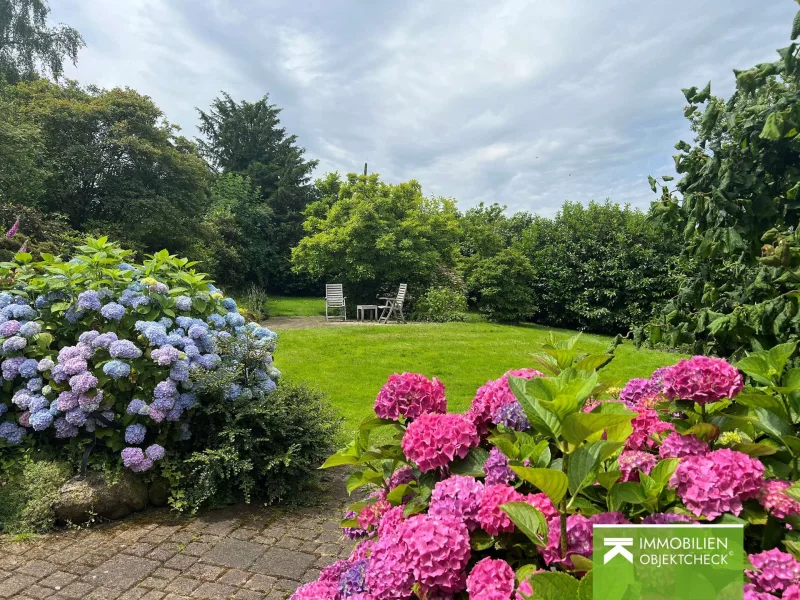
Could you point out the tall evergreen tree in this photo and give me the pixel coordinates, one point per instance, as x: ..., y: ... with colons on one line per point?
x: 28, y: 46
x: 246, y: 138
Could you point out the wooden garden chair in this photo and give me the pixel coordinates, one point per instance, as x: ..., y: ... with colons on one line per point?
x: 394, y: 306
x: 334, y: 298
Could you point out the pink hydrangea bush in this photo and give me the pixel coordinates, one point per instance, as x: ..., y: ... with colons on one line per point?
x: 454, y: 536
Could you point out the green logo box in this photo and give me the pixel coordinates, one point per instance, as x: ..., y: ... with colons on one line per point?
x: 668, y: 562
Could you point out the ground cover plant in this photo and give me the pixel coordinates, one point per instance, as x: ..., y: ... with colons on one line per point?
x: 350, y: 363
x: 499, y: 502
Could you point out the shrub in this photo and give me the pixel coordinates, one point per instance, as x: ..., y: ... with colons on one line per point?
x: 441, y: 305
x: 262, y: 449
x: 501, y: 286
x: 256, y: 302
x: 28, y: 488
x: 600, y: 267
x: 512, y: 505
x: 105, y: 355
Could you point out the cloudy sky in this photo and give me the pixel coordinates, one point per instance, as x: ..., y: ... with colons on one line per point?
x: 522, y: 102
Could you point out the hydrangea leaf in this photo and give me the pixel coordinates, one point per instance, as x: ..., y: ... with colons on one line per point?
x: 586, y: 586
x: 528, y: 520
x: 584, y: 462
x: 577, y: 427
x: 553, y: 586
x: 550, y: 481
x: 472, y: 464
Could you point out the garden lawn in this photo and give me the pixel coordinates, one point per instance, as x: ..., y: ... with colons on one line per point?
x: 290, y: 306
x: 352, y: 363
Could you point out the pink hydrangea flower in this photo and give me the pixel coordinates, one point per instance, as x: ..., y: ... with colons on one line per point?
x: 717, y: 482
x: 433, y: 441
x: 524, y: 588
x: 410, y: 395
x: 792, y: 592
x: 332, y: 573
x: 371, y: 514
x: 494, y: 394
x: 772, y: 498
x: 543, y: 504
x: 702, y: 379
x: 390, y: 521
x: 633, y: 461
x: 666, y: 519
x: 774, y: 571
x: 609, y: 518
x: 457, y: 496
x: 751, y: 593
x: 676, y: 445
x: 316, y: 590
x: 637, y: 391
x: 492, y: 519
x: 389, y: 573
x: 362, y: 550
x: 491, y: 579
x: 647, y: 427
x: 438, y: 550
x: 579, y: 540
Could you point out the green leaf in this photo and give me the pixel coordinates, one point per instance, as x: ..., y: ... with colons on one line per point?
x: 795, y: 27
x: 582, y: 564
x: 755, y: 449
x: 704, y: 431
x: 361, y: 478
x: 528, y: 520
x: 627, y: 491
x: 791, y: 380
x: 553, y: 483
x: 586, y: 586
x: 347, y: 456
x: 480, y: 540
x: 584, y: 462
x: 757, y: 366
x: 773, y: 127
x: 472, y: 464
x: 763, y: 401
x: 579, y: 426
x: 793, y: 443
x: 793, y: 492
x: 779, y: 355
x: 653, y: 183
x: 663, y: 471
x: 608, y: 478
x: 396, y: 496
x: 792, y: 548
x: 593, y: 362
x: 553, y: 586
x: 541, y: 419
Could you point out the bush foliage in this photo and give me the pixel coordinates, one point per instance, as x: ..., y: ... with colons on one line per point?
x: 441, y: 305
x: 501, y: 286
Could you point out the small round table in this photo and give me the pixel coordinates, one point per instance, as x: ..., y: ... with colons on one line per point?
x: 362, y: 308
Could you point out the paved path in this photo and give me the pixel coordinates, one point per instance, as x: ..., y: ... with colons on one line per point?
x: 242, y: 552
x: 283, y: 323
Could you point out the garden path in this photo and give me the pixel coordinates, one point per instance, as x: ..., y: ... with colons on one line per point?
x: 279, y: 324
x: 240, y: 552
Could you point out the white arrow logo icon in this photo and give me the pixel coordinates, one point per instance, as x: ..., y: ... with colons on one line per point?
x: 620, y: 546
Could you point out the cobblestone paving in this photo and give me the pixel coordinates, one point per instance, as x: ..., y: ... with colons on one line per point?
x: 241, y: 552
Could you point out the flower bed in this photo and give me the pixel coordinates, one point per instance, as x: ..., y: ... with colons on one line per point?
x: 500, y: 503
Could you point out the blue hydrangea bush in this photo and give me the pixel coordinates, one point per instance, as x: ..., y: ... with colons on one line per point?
x: 97, y: 352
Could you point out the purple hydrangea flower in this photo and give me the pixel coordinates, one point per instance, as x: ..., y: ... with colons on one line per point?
x: 179, y: 371
x: 11, y: 433
x: 14, y: 344
x: 87, y: 337
x: 113, y: 311
x: 83, y: 382
x: 76, y: 417
x: 234, y: 319
x: 30, y: 329
x: 65, y: 429
x: 67, y: 400
x: 10, y: 367
x: 166, y: 355
x: 45, y: 365
x: 352, y: 580
x: 124, y: 349
x: 74, y: 366
x: 496, y: 468
x: 511, y: 415
x: 104, y: 340
x: 135, y: 433
x: 216, y: 320
x: 117, y: 369
x: 41, y: 420
x: 183, y: 303
x: 155, y: 452
x: 29, y: 368
x: 135, y: 460
x: 89, y: 300
x: 9, y: 328
x: 136, y: 407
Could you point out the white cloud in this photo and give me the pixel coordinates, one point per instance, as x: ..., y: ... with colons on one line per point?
x: 523, y: 103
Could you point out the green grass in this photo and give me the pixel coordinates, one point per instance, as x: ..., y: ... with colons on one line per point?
x: 290, y: 306
x: 352, y: 363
